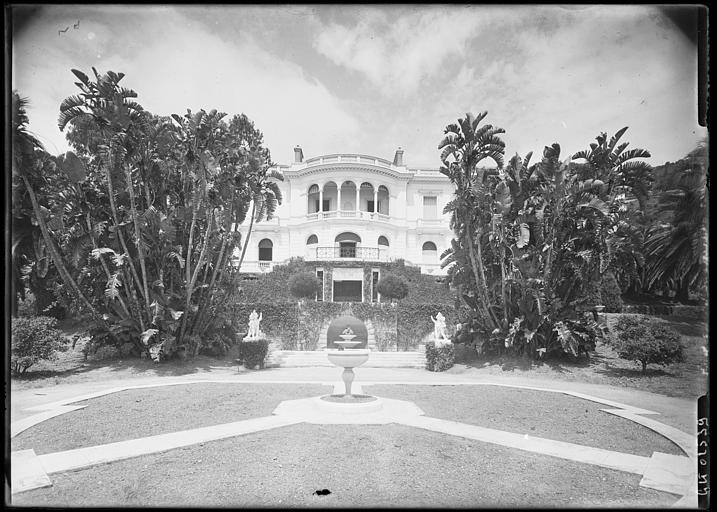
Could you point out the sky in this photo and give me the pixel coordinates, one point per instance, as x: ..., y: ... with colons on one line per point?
x: 368, y: 79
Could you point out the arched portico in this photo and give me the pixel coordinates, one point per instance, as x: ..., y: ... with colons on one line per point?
x: 349, y: 196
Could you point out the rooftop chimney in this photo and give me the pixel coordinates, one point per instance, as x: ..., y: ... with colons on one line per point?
x: 298, y: 155
x: 398, y: 159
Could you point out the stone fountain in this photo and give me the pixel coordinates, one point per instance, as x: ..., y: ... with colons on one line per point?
x: 347, y: 357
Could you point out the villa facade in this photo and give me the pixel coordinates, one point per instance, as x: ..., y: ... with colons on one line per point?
x: 355, y: 210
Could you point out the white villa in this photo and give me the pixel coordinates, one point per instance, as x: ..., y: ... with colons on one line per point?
x: 354, y: 208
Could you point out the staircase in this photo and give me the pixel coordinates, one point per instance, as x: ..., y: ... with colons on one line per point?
x: 370, y: 336
x: 303, y: 358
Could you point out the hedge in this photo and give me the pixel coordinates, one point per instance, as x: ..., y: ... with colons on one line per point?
x: 253, y: 353
x: 296, y: 325
x: 271, y: 287
x: 441, y: 358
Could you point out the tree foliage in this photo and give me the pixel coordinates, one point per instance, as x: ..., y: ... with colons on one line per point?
x: 145, y: 212
x: 676, y: 247
x: 392, y: 287
x: 34, y: 339
x: 647, y: 341
x: 531, y: 240
x: 304, y: 285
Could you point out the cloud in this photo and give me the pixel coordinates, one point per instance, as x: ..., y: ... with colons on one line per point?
x: 396, y: 52
x: 368, y: 79
x: 569, y: 76
x: 175, y: 64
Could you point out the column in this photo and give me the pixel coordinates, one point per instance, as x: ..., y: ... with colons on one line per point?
x: 375, y: 199
x: 358, y: 214
x: 321, y: 200
x: 338, y: 206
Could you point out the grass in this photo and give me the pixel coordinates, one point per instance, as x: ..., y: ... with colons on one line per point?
x: 143, y: 412
x: 133, y: 413
x: 361, y: 465
x: 536, y: 413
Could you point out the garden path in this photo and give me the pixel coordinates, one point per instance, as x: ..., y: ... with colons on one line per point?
x: 661, y: 471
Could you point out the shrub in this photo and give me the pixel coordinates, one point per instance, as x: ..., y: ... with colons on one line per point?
x: 27, y: 307
x: 393, y: 287
x: 610, y: 293
x: 647, y: 341
x: 107, y: 352
x: 439, y: 359
x: 253, y: 353
x: 34, y: 339
x: 216, y: 345
x: 304, y: 285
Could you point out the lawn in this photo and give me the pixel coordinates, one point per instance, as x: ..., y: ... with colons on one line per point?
x: 536, y: 413
x: 361, y: 466
x: 143, y: 412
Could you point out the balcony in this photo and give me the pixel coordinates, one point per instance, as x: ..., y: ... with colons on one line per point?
x: 347, y: 253
x: 349, y: 214
x: 254, y: 267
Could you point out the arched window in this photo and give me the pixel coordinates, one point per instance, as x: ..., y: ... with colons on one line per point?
x: 366, y: 197
x: 382, y: 240
x: 313, y: 198
x: 347, y: 236
x: 430, y: 253
x: 382, y: 206
x: 313, y: 239
x: 266, y: 248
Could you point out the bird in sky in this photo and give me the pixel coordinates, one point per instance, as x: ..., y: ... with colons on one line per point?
x: 77, y: 25
x: 62, y: 31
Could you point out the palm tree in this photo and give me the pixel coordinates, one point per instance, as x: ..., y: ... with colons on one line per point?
x: 676, y: 252
x: 464, y: 146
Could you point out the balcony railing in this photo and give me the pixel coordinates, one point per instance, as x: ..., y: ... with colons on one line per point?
x: 348, y: 214
x: 254, y: 266
x: 355, y: 253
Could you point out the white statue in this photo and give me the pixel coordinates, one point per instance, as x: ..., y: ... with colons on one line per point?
x: 439, y: 329
x: 254, y: 331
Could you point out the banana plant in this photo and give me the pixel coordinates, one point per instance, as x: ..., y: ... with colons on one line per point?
x: 465, y: 145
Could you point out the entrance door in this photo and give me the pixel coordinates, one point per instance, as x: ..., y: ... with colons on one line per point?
x: 348, y: 291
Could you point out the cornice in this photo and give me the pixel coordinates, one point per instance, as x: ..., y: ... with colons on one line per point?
x: 327, y: 169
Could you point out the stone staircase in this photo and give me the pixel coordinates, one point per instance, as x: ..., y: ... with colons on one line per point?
x: 304, y: 358
x: 370, y: 336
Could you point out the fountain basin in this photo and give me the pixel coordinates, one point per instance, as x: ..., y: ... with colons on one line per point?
x: 348, y: 358
x: 346, y: 344
x: 350, y: 408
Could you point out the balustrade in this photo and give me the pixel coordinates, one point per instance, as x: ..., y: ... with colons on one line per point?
x: 359, y: 253
x: 356, y: 214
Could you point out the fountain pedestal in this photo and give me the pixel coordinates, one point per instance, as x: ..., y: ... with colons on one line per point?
x: 348, y: 359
